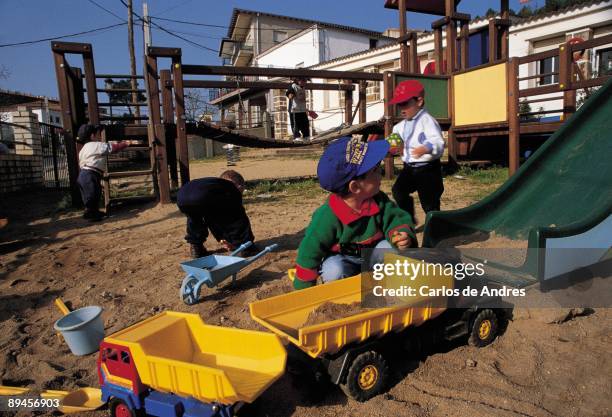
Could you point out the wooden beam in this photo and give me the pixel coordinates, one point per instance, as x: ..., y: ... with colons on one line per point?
x: 280, y: 72
x: 348, y: 104
x: 69, y: 126
x: 451, y: 37
x: 168, y: 117
x: 157, y: 134
x: 273, y: 85
x: 388, y: 86
x: 404, y: 60
x: 181, y: 131
x: 70, y: 47
x: 90, y: 81
x: 438, y: 56
x: 514, y: 129
x: 162, y: 52
x: 363, y: 85
x: 465, y: 45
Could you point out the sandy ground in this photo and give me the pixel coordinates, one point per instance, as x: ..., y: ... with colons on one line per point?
x: 129, y: 265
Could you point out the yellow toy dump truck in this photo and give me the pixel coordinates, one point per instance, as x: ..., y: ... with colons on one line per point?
x: 174, y: 365
x: 350, y: 350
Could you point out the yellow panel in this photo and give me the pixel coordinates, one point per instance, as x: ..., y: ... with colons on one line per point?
x: 480, y: 96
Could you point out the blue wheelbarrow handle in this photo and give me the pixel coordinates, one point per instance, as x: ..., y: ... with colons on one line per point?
x: 241, y: 248
x: 262, y: 253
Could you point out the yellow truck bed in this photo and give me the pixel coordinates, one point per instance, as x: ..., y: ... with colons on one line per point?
x: 178, y: 353
x: 286, y: 314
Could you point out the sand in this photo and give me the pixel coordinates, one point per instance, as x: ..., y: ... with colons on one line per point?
x: 129, y: 265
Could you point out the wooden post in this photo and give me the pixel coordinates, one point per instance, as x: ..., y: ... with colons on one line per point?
x: 181, y: 130
x: 514, y: 128
x: 388, y: 86
x: 348, y: 104
x: 451, y: 37
x: 363, y: 85
x: 438, y: 50
x: 451, y: 140
x: 493, y: 47
x: 414, y: 56
x: 565, y: 80
x: 505, y: 32
x: 168, y: 115
x: 404, y: 52
x: 157, y: 134
x: 465, y: 45
x: 69, y: 126
x: 90, y: 81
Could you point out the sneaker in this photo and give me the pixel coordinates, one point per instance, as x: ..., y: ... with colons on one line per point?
x: 197, y: 251
x: 298, y: 139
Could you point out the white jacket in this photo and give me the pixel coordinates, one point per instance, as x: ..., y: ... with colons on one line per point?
x: 423, y: 129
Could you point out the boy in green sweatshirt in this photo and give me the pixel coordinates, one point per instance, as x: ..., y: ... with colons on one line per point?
x: 357, y: 215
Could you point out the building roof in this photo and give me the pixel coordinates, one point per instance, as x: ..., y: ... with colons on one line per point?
x: 309, y: 22
x: 11, y: 98
x: 522, y: 21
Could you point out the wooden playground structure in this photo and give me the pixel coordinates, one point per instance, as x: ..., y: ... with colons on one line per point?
x: 471, y: 104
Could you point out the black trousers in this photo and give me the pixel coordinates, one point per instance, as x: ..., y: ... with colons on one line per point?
x: 426, y: 180
x: 299, y: 123
x: 235, y: 228
x: 91, y: 190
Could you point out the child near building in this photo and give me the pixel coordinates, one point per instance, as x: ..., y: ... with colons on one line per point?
x: 423, y: 147
x: 357, y: 215
x: 92, y: 164
x: 215, y: 204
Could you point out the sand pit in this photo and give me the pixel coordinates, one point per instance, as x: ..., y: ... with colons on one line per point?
x: 129, y: 265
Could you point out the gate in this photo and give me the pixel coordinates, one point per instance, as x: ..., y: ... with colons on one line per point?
x: 55, y: 161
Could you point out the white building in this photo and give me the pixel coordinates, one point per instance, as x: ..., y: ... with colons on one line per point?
x: 275, y: 41
x: 527, y: 36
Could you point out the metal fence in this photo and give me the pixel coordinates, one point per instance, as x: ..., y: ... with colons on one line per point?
x: 55, y: 162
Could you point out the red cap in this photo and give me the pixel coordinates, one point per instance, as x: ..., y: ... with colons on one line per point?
x: 406, y: 90
x: 575, y: 40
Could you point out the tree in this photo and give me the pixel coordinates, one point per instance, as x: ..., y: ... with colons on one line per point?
x: 490, y: 13
x: 525, y: 12
x: 196, y: 105
x: 122, y: 98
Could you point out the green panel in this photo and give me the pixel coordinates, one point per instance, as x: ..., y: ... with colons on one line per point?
x: 436, y: 94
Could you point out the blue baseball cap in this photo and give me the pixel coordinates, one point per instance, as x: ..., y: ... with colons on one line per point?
x: 347, y: 158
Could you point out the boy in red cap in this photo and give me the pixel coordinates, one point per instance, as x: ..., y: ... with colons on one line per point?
x: 423, y: 147
x: 357, y: 215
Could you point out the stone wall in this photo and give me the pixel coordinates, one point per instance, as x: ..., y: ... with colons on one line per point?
x: 23, y: 167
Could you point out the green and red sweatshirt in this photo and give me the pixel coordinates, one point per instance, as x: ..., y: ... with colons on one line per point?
x: 335, y: 225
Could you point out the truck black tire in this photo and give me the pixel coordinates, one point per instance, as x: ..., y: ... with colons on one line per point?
x: 485, y: 326
x: 367, y: 376
x: 118, y: 408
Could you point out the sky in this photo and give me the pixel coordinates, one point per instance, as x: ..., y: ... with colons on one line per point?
x: 31, y: 67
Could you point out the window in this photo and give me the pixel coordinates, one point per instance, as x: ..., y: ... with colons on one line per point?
x: 604, y: 59
x: 278, y: 36
x: 373, y: 43
x: 547, y: 66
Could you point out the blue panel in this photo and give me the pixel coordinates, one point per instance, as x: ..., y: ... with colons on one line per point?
x: 163, y: 405
x: 478, y: 48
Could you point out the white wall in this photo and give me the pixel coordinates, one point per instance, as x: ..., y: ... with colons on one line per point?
x: 303, y: 48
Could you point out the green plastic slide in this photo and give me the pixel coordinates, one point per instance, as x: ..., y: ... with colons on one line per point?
x: 564, y: 189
